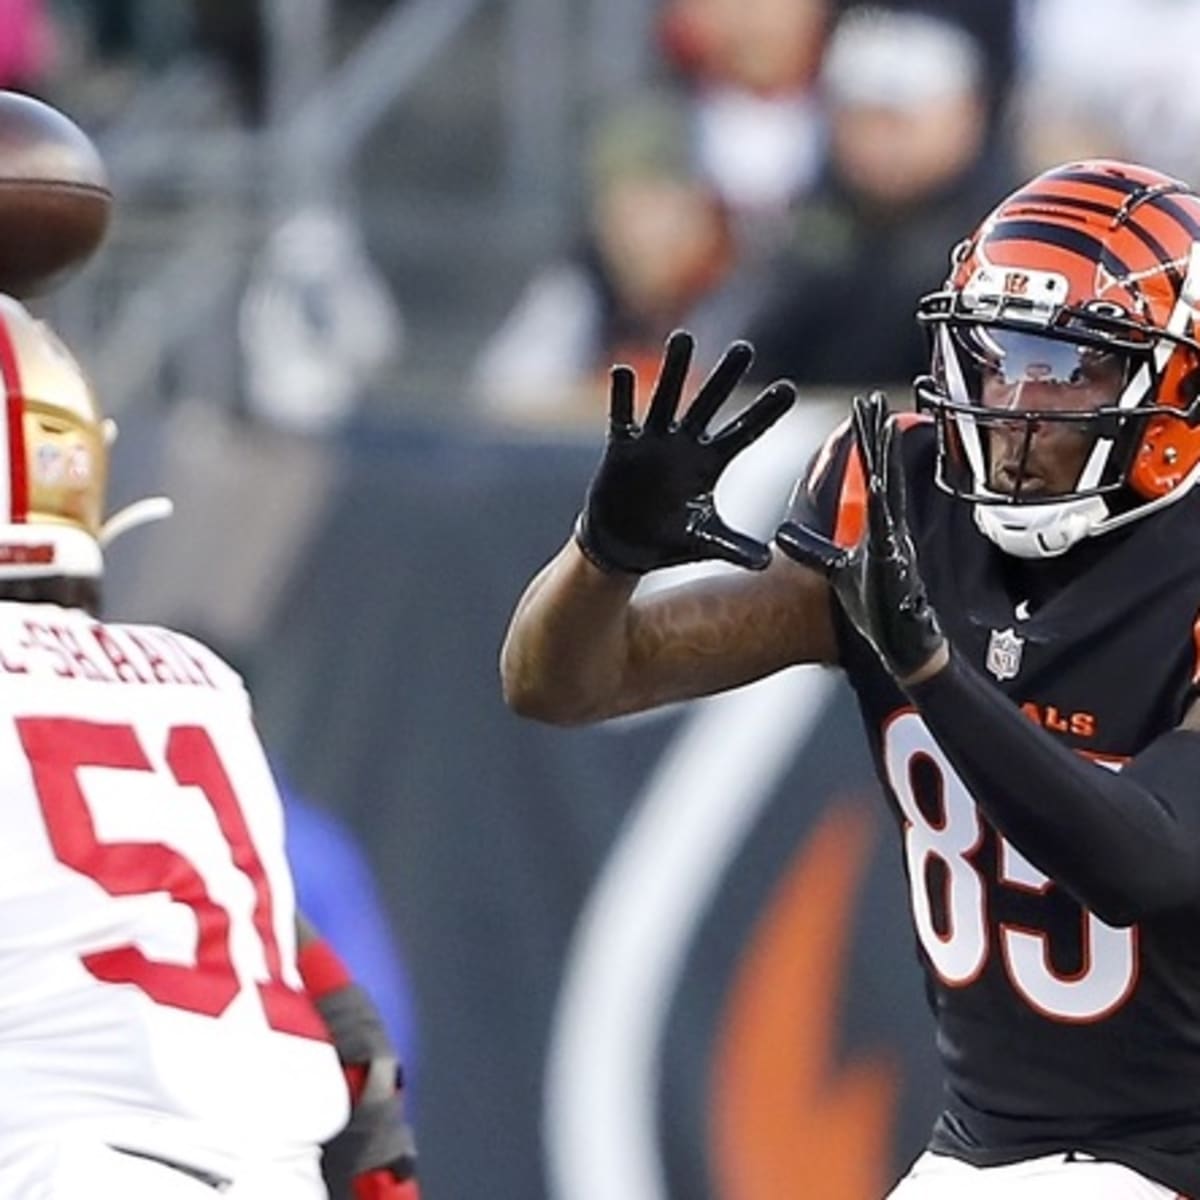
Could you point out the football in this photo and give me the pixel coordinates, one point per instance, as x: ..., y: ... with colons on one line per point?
x: 55, y: 200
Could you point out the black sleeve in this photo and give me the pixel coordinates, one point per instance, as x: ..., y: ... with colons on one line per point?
x: 1124, y: 844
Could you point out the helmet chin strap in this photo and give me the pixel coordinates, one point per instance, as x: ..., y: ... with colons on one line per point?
x: 140, y: 512
x: 1048, y: 530
x: 1040, y: 530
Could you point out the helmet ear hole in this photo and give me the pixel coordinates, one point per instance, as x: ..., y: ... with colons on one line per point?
x: 1179, y: 386
x: 1167, y: 454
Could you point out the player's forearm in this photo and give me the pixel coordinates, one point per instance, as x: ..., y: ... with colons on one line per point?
x: 564, y: 655
x: 1124, y: 844
x: 374, y: 1155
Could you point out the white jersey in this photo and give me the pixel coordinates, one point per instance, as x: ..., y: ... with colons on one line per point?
x: 148, y: 986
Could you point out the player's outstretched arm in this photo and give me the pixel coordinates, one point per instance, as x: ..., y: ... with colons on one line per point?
x: 374, y: 1156
x: 581, y: 647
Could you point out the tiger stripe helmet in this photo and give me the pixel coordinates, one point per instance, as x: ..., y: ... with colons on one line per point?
x: 54, y: 446
x: 1103, y: 256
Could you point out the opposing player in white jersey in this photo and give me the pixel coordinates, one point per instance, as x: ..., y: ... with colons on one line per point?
x: 159, y: 1029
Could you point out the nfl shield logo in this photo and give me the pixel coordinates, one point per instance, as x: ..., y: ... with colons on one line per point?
x: 1004, y: 653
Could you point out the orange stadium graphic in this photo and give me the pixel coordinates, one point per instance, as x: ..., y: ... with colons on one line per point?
x: 787, y: 1117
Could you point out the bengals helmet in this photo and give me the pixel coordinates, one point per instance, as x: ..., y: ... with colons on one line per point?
x: 54, y: 446
x: 1087, y: 277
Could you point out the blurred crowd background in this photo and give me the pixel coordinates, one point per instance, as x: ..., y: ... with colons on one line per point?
x: 369, y: 264
x: 455, y: 210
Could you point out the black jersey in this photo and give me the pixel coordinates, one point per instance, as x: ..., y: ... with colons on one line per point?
x: 1055, y: 1030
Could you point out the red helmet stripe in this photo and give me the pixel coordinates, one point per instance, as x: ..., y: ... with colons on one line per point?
x: 1095, y: 208
x: 1064, y: 237
x: 1133, y: 195
x: 10, y: 375
x: 1156, y: 247
x: 1060, y: 200
x: 1171, y: 206
x: 1125, y: 180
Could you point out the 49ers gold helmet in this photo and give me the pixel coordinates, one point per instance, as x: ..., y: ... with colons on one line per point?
x: 54, y: 444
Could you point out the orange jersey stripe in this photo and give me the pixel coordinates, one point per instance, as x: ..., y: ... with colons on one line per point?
x: 852, y: 500
x: 852, y: 503
x: 1196, y: 646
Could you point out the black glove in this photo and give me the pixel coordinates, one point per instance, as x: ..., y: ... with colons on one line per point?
x: 877, y: 581
x: 650, y: 503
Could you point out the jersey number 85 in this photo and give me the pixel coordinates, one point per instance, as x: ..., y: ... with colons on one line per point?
x: 940, y: 854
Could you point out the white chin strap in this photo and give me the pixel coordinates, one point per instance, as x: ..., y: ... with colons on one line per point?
x: 1048, y: 530
x: 41, y: 549
x: 140, y: 512
x: 1041, y: 530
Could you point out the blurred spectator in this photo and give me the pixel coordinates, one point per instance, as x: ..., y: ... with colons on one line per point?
x: 659, y: 252
x: 118, y: 43
x: 234, y: 35
x: 28, y: 44
x: 750, y: 67
x: 316, y: 323
x: 148, y: 33
x: 993, y: 24
x: 910, y: 164
x: 1096, y: 81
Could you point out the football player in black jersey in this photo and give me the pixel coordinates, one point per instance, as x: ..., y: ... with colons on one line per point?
x: 1010, y: 578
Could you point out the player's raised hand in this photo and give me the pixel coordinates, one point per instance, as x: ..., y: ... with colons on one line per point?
x: 877, y: 581
x: 650, y: 503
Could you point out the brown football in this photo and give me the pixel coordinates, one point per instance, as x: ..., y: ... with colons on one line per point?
x: 55, y: 200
